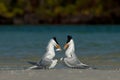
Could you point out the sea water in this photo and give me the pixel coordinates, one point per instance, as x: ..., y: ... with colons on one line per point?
x: 97, y: 45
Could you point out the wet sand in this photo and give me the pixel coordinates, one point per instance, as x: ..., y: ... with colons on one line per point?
x: 60, y: 74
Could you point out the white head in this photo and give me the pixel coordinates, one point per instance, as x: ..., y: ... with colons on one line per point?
x: 69, y: 46
x: 53, y: 43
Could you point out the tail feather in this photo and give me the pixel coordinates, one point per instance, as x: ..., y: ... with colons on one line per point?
x: 81, y: 67
x: 33, y: 67
x: 33, y: 63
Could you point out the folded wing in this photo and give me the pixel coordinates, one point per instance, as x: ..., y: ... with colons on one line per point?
x: 74, y: 62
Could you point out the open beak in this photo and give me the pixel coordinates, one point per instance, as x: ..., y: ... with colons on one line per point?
x: 58, y: 48
x: 66, y: 46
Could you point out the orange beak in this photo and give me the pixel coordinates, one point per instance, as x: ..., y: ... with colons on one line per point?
x: 58, y: 47
x: 66, y: 46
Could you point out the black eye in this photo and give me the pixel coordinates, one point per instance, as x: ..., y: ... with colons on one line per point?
x: 69, y: 38
x: 54, y: 38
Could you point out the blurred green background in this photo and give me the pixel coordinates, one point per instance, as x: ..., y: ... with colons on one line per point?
x: 59, y: 11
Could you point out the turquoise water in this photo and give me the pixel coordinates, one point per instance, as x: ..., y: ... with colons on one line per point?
x: 97, y: 46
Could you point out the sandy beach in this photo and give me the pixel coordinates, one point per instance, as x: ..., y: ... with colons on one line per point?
x: 60, y: 74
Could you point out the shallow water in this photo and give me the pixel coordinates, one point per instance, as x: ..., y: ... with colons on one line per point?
x: 97, y: 46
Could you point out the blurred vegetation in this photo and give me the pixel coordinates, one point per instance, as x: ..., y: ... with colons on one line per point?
x: 59, y: 11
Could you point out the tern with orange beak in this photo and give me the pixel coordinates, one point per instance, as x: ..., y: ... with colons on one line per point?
x: 47, y: 61
x: 71, y: 59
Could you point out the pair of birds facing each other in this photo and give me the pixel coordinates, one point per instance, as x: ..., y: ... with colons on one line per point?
x: 71, y: 60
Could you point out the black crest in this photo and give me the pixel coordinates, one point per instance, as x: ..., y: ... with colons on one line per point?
x: 55, y: 40
x: 69, y: 38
